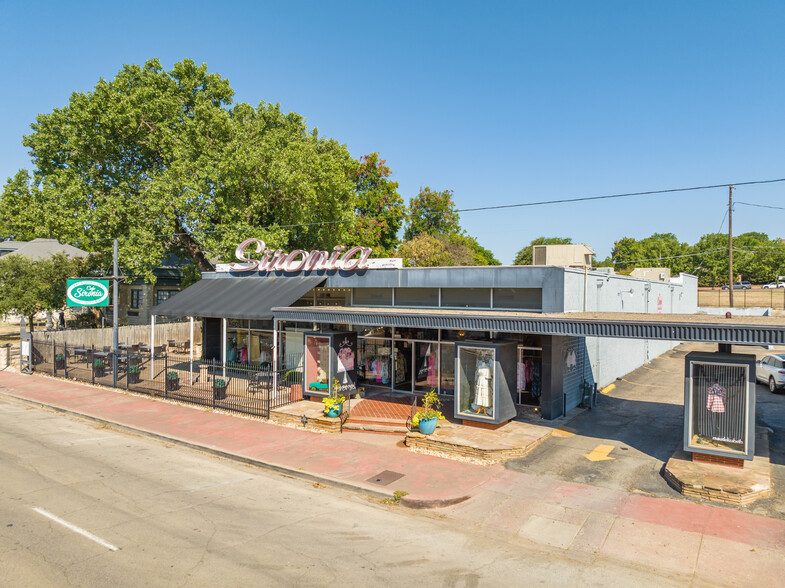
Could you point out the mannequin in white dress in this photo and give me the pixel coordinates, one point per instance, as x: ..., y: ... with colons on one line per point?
x: 483, y: 385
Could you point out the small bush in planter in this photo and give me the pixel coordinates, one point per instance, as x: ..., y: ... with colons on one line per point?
x: 59, y: 360
x: 134, y: 373
x: 219, y: 388
x: 172, y: 380
x: 98, y: 367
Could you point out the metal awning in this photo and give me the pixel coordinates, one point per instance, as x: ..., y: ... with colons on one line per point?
x: 242, y: 298
x: 668, y: 327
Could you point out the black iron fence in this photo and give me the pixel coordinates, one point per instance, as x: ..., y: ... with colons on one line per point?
x: 168, y: 372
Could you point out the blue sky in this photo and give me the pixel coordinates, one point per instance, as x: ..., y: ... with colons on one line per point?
x: 502, y: 102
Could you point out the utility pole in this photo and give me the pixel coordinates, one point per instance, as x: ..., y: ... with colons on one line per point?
x: 115, y: 279
x: 730, y: 245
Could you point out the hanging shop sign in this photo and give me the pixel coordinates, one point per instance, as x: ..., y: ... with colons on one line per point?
x: 86, y: 292
x: 719, y: 404
x: 299, y: 260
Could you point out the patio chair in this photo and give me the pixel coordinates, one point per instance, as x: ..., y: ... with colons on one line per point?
x: 259, y: 381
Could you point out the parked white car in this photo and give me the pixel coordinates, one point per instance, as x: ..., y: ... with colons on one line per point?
x: 774, y: 285
x: 771, y: 370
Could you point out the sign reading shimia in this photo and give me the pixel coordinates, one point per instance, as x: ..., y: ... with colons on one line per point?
x: 86, y: 292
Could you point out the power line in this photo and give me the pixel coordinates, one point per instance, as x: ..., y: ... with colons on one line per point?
x: 477, y: 209
x: 761, y: 205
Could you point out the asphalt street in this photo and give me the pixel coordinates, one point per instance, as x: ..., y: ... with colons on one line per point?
x: 639, y: 425
x: 85, y: 505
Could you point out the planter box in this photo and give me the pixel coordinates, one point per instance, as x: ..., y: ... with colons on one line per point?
x: 219, y: 393
x: 172, y: 385
x: 99, y: 372
x: 134, y: 378
x: 59, y: 364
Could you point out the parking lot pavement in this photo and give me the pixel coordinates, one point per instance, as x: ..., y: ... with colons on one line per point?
x: 624, y: 442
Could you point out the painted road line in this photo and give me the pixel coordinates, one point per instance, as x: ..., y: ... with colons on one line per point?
x: 608, y: 389
x: 75, y: 529
x: 563, y: 432
x: 599, y: 453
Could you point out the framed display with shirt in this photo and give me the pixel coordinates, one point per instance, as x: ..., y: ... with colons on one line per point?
x: 485, y: 381
x: 719, y: 404
x: 330, y: 363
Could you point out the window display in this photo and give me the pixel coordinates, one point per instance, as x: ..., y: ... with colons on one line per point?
x: 317, y: 364
x: 718, y: 411
x: 529, y: 376
x: 447, y: 369
x: 374, y: 362
x: 426, y: 364
x: 719, y: 404
x: 476, y: 381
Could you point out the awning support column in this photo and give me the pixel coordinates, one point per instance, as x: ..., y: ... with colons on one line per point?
x: 191, y: 345
x: 275, y: 358
x: 223, y: 346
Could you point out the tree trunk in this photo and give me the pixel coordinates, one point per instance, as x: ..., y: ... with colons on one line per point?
x: 193, y: 248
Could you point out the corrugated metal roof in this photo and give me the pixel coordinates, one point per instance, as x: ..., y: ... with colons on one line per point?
x: 249, y: 298
x: 674, y: 327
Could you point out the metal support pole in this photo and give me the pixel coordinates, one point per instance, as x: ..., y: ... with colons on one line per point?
x: 223, y: 346
x: 115, y: 305
x: 275, y: 359
x: 191, y: 340
x: 152, y: 347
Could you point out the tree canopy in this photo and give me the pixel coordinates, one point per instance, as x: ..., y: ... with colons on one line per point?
x: 167, y: 163
x: 433, y: 213
x: 28, y: 287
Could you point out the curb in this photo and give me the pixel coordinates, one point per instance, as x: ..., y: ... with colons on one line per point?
x: 410, y: 502
x: 608, y: 389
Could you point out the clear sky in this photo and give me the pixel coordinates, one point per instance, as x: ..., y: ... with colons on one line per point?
x: 502, y: 102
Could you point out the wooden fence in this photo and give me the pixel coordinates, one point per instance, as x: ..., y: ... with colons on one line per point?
x: 127, y: 334
x: 757, y: 297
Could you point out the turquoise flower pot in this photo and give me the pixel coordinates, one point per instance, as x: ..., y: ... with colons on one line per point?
x: 334, y: 412
x: 428, y: 426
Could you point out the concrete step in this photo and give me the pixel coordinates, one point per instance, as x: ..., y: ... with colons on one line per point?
x: 381, y: 429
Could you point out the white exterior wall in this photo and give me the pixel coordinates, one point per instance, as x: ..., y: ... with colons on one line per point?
x: 613, y: 358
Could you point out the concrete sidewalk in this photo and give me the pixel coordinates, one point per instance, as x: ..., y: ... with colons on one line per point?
x: 696, y: 543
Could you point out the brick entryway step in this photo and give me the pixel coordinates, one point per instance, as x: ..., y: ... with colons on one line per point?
x: 375, y: 425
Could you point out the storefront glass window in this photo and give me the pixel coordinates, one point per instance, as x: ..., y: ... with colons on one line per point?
x: 372, y: 297
x: 261, y: 348
x: 402, y: 365
x: 447, y: 369
x: 466, y: 297
x: 421, y: 334
x: 332, y: 296
x: 719, y: 407
x: 523, y: 298
x: 529, y: 376
x: 317, y: 364
x: 448, y: 335
x: 476, y: 381
x: 426, y: 367
x: 373, y: 332
x: 374, y: 362
x: 416, y: 297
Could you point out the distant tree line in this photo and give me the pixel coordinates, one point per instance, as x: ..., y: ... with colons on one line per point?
x: 756, y: 257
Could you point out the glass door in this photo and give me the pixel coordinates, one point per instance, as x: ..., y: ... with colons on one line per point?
x: 426, y: 366
x: 402, y: 366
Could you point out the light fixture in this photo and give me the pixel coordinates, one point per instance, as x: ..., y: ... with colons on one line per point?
x: 304, y: 420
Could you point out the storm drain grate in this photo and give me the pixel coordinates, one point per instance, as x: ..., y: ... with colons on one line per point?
x: 384, y: 478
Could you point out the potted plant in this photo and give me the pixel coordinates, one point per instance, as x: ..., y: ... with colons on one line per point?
x: 98, y: 368
x: 333, y: 404
x: 219, y: 389
x: 134, y: 374
x: 427, y: 418
x: 59, y: 361
x: 172, y: 381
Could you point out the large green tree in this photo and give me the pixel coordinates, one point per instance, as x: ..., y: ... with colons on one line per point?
x: 167, y: 163
x: 28, y: 287
x: 379, y: 208
x: 432, y: 212
x: 524, y: 256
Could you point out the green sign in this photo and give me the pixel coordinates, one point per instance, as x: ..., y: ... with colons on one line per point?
x: 87, y: 292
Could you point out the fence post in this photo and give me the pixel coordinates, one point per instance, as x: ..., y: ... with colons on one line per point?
x: 127, y: 366
x: 211, y: 389
x: 92, y: 364
x: 65, y: 359
x: 54, y: 357
x: 166, y: 374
